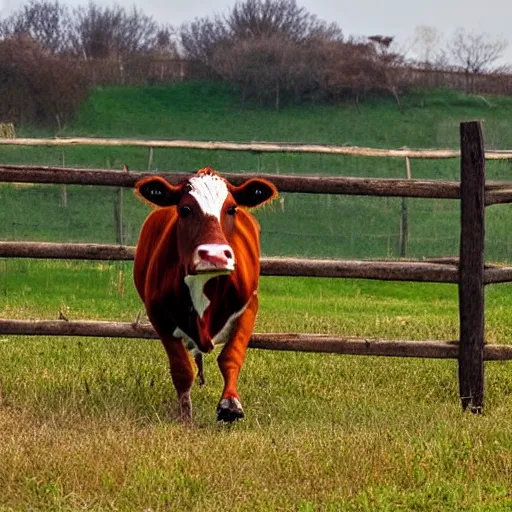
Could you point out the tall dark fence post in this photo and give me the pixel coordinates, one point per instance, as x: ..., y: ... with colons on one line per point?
x: 471, y: 284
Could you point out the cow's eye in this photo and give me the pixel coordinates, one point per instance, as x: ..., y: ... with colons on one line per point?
x: 185, y: 211
x: 231, y: 210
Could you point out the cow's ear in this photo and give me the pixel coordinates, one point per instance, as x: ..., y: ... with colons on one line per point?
x: 157, y: 191
x: 254, y: 192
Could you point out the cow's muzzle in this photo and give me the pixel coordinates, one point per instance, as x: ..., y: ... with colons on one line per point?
x: 213, y: 258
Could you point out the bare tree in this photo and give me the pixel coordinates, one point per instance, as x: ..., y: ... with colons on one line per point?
x: 43, y: 21
x: 272, y: 68
x: 92, y: 31
x: 475, y: 53
x: 101, y: 32
x: 254, y: 19
x: 389, y: 61
x: 165, y: 43
x: 88, y: 31
x: 284, y: 18
x: 270, y: 48
x: 351, y: 70
x: 37, y: 86
x: 201, y: 37
x: 138, y: 33
x: 258, y: 66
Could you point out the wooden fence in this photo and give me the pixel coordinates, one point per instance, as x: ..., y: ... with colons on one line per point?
x: 468, y: 271
x: 156, y: 69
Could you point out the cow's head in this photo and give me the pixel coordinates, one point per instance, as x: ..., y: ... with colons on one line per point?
x: 207, y: 213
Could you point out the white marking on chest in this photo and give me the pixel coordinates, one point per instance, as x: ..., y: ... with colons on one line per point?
x: 219, y: 339
x: 190, y: 344
x: 210, y: 192
x: 195, y: 285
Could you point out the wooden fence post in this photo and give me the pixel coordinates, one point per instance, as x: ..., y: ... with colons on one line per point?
x: 118, y: 216
x: 150, y: 159
x: 404, y: 217
x: 64, y: 188
x: 471, y: 278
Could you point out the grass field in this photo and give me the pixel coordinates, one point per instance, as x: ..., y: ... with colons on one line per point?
x: 89, y: 424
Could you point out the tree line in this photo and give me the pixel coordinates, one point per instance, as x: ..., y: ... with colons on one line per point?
x: 274, y: 51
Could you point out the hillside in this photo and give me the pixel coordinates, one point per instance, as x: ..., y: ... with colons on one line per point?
x: 210, y: 111
x: 213, y: 111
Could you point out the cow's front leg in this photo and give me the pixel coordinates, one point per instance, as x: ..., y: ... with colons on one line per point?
x: 182, y: 374
x: 230, y: 362
x: 200, y: 368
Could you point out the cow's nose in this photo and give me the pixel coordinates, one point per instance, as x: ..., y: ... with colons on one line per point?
x: 214, y: 257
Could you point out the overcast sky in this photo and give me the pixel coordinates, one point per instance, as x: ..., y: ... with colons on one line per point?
x: 364, y: 17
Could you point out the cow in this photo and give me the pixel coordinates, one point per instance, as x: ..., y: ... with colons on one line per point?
x: 197, y: 270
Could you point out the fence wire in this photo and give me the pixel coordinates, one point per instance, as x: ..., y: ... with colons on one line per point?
x: 305, y: 225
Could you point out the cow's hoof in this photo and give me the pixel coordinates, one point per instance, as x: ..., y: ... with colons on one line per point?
x: 229, y: 409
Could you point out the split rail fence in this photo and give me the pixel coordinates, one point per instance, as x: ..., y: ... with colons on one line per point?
x: 468, y: 271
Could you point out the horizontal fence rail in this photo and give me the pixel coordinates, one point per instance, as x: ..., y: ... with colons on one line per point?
x: 495, y: 192
x: 436, y: 270
x: 257, y: 147
x: 72, y: 251
x: 319, y: 343
x: 299, y: 184
x: 501, y: 195
x: 298, y: 267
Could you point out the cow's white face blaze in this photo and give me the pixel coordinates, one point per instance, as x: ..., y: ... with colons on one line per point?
x: 209, y: 259
x: 210, y: 192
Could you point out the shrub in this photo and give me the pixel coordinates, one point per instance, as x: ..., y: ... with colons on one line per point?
x: 37, y: 86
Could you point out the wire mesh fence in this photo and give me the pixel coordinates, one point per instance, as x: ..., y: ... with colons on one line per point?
x: 307, y: 225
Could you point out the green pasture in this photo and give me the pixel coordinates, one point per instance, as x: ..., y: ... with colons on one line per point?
x: 90, y: 424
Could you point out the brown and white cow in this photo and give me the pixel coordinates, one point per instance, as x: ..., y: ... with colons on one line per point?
x: 196, y: 270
